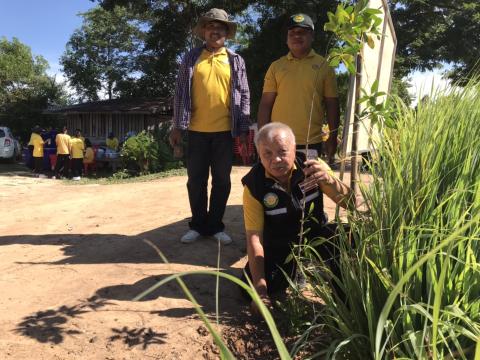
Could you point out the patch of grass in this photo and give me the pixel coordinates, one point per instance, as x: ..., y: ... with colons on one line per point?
x: 123, y: 177
x: 411, y: 278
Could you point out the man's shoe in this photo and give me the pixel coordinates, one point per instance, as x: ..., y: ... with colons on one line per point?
x: 190, y: 236
x: 223, y: 237
x: 76, y: 178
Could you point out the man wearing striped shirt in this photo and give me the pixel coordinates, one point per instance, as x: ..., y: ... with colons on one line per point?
x: 212, y: 103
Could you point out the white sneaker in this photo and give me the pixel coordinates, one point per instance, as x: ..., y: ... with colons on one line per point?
x: 190, y: 236
x: 223, y: 237
x: 76, y: 178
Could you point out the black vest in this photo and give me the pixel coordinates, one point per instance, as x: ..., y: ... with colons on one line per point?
x: 283, y: 211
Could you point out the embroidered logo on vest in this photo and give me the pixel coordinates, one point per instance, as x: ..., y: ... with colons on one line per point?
x: 270, y: 200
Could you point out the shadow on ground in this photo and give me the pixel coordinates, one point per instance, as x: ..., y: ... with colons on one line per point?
x: 54, y: 325
x: 116, y: 248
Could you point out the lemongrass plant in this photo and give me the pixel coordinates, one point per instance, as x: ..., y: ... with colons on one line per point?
x: 411, y: 262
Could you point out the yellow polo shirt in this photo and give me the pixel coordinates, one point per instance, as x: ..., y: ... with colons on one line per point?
x: 295, y: 81
x: 77, y: 146
x: 37, y: 142
x: 63, y: 144
x: 253, y: 213
x: 211, y: 93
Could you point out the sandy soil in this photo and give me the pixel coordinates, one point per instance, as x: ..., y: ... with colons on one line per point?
x: 73, y: 257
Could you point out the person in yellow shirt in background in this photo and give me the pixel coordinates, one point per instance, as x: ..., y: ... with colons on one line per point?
x: 37, y: 142
x: 77, y: 147
x: 112, y: 142
x: 89, y: 158
x: 293, y: 82
x: 63, y: 154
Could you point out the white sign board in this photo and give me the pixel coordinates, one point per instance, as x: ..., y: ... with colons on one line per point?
x: 377, y: 64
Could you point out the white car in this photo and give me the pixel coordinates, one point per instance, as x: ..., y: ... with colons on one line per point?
x: 9, y: 146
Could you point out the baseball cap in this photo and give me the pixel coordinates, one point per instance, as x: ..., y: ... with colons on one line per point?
x: 300, y: 20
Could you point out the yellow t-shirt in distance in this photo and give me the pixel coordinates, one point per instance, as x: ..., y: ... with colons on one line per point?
x: 295, y: 81
x: 211, y: 93
x: 63, y: 144
x: 77, y: 146
x: 37, y: 142
x: 89, y: 156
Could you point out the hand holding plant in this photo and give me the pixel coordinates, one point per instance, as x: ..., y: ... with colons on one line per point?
x: 254, y: 308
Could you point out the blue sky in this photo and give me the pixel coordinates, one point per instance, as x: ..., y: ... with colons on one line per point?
x: 44, y: 25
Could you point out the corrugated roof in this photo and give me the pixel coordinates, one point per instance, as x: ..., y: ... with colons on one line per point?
x: 159, y: 106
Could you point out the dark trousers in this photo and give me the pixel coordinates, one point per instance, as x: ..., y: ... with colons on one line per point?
x: 38, y: 164
x: 208, y: 152
x: 320, y: 147
x: 274, y: 276
x: 77, y: 166
x: 63, y: 164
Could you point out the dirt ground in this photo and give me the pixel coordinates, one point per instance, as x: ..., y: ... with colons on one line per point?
x: 73, y: 257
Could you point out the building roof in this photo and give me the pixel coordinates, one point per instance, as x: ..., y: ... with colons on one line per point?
x: 159, y: 106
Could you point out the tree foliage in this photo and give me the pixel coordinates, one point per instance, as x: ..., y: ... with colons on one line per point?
x: 432, y: 32
x: 429, y: 33
x: 25, y: 88
x: 101, y: 55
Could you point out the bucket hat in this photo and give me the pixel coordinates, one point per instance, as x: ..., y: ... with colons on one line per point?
x: 215, y: 15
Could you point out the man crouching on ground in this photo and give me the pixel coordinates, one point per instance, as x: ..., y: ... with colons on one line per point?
x: 272, y: 203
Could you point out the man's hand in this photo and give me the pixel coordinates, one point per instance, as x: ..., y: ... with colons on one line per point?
x: 331, y: 145
x: 254, y: 308
x: 175, y: 137
x: 317, y: 172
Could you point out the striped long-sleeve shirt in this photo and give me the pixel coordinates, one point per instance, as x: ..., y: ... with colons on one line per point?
x: 239, y: 92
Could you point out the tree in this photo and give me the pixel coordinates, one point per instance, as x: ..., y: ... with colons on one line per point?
x: 432, y: 32
x: 168, y: 36
x: 101, y: 55
x: 25, y: 88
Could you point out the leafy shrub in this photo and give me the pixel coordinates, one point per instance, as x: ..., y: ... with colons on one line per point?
x: 148, y: 152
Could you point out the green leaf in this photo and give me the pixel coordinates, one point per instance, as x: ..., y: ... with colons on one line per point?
x: 370, y: 42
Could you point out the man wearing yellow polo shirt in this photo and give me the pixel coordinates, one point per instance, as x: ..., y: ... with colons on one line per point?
x: 62, y: 141
x: 77, y: 146
x: 300, y: 90
x: 274, y: 191
x: 37, y: 142
x: 212, y: 103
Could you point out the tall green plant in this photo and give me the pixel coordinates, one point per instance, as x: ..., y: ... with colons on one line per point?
x: 412, y: 275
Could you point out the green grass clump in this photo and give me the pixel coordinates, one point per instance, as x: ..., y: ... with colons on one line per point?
x: 412, y: 274
x: 123, y: 177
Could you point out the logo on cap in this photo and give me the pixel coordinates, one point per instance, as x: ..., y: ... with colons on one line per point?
x: 270, y: 200
x: 298, y: 18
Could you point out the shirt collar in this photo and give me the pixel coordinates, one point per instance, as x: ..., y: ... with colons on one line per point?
x: 311, y: 54
x: 223, y: 51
